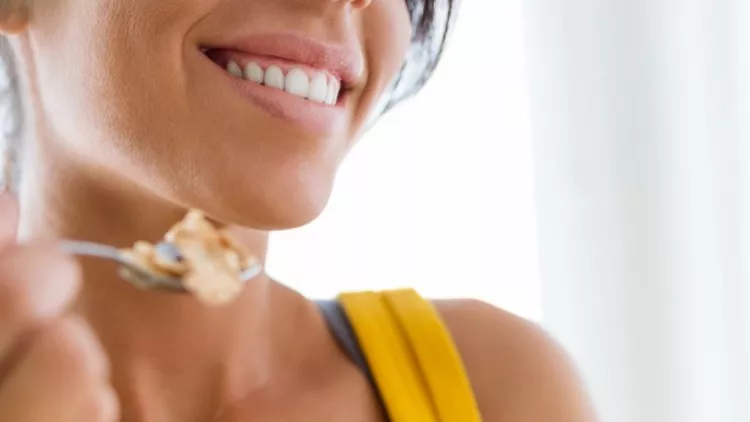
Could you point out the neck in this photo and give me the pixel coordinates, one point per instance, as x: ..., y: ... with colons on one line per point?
x: 159, y: 341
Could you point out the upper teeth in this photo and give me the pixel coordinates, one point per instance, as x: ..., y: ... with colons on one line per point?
x: 320, y: 88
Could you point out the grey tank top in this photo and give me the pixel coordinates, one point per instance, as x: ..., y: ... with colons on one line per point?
x: 342, y: 331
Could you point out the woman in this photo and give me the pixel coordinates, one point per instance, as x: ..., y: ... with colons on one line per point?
x: 136, y: 110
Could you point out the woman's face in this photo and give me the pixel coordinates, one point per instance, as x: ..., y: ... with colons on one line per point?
x: 165, y: 94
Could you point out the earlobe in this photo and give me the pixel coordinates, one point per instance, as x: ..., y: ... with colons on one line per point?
x: 14, y: 16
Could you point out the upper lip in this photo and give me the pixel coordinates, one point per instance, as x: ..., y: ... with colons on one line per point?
x: 343, y: 61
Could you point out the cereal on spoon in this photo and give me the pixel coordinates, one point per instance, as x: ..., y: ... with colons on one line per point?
x: 210, y: 262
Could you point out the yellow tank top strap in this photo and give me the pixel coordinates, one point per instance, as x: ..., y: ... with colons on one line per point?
x: 388, y: 353
x: 412, y: 357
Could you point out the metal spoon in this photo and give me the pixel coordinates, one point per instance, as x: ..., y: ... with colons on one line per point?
x: 137, y: 275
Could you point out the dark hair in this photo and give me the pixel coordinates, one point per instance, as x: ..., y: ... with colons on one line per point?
x: 432, y: 22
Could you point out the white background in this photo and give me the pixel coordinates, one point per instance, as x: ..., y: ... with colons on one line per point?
x: 642, y: 156
x: 438, y: 195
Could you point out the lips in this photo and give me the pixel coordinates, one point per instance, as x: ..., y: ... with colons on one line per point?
x: 343, y: 61
x: 316, y: 85
x: 291, y: 77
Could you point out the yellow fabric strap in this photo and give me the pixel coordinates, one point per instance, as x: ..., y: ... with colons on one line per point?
x: 412, y: 357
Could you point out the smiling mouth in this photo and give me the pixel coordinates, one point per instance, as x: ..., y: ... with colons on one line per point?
x: 304, y: 81
x: 315, y: 85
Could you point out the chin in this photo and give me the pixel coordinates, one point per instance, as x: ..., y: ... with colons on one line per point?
x: 277, y: 215
x: 265, y: 208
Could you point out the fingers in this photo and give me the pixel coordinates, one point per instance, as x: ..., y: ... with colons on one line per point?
x: 36, y: 284
x: 62, y: 377
x: 52, y: 367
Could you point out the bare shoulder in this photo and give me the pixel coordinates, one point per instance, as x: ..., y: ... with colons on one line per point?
x: 518, y: 372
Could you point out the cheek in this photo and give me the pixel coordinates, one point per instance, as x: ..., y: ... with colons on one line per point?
x: 386, y: 33
x: 101, y: 70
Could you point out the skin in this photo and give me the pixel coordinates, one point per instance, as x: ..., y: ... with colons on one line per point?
x: 128, y: 131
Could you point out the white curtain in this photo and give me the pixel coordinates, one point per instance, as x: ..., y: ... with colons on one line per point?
x: 640, y: 112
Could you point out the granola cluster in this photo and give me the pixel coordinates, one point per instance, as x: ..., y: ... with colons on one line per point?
x: 210, y: 262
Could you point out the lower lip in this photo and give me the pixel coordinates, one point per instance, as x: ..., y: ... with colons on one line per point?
x: 312, y: 116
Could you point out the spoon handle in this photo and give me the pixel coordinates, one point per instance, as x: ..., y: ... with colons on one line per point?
x: 128, y: 270
x: 97, y: 250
